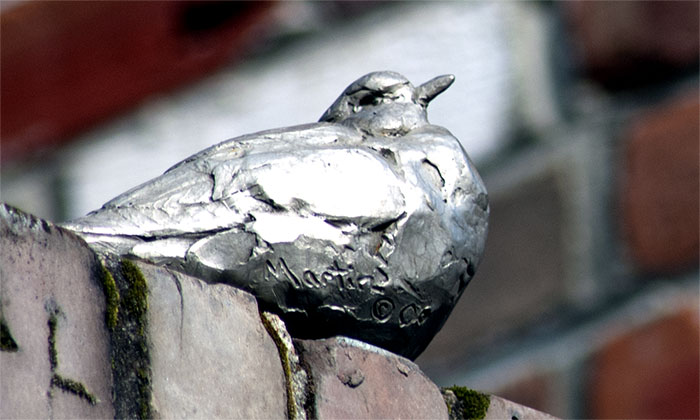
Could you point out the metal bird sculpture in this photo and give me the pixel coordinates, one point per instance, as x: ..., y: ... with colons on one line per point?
x: 368, y: 224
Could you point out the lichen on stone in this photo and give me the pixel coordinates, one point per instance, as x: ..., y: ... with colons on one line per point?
x: 135, y: 305
x: 291, y: 407
x: 58, y: 381
x: 126, y: 294
x: 465, y: 403
x: 109, y: 287
x: 136, y: 299
x: 53, y: 353
x: 73, y: 387
x: 296, y: 378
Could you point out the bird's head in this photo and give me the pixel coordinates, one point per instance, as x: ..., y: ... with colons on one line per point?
x: 385, y: 103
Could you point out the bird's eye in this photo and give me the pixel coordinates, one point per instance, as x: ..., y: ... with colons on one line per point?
x: 370, y: 99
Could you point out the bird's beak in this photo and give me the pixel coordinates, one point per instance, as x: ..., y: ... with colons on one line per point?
x: 433, y: 87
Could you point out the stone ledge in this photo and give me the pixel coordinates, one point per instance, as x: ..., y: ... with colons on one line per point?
x: 352, y: 379
x: 84, y: 337
x: 198, y: 350
x: 52, y: 308
x: 466, y: 403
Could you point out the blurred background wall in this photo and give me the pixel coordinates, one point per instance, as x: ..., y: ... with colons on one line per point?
x: 581, y: 116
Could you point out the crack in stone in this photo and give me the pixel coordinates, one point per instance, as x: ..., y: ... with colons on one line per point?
x: 297, y: 380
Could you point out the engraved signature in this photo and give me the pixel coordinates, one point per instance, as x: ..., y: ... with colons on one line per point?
x: 347, y: 280
x: 343, y: 279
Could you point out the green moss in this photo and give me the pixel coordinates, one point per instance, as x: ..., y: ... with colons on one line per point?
x: 286, y: 365
x: 109, y: 287
x: 126, y: 315
x: 144, y: 403
x: 473, y: 404
x: 53, y: 354
x: 136, y: 299
x: 7, y: 343
x: 142, y: 373
x: 69, y: 385
x: 57, y: 381
x: 145, y: 392
x: 134, y: 304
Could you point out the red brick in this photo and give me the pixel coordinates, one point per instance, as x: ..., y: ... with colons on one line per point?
x: 632, y: 42
x: 651, y: 372
x: 659, y: 194
x: 69, y: 65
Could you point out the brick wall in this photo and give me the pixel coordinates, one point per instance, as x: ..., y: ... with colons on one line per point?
x: 586, y: 303
x: 658, y: 189
x: 68, y: 66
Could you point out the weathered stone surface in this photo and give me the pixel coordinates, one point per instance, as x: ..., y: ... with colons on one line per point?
x: 210, y: 355
x: 356, y: 380
x: 500, y: 408
x: 465, y: 403
x: 50, y: 303
x: 297, y: 379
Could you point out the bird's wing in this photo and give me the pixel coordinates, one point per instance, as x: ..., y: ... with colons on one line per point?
x: 318, y: 171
